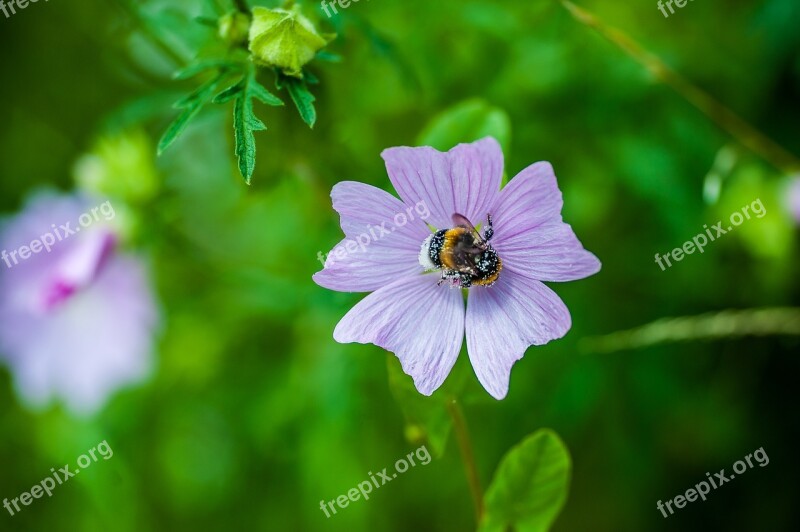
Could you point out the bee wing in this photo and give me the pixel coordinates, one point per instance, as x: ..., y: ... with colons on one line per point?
x: 461, y: 220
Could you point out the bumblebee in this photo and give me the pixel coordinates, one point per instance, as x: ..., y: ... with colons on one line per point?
x: 462, y: 254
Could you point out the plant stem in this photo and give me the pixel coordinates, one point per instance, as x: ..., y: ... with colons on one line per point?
x: 712, y: 326
x: 467, y: 456
x: 736, y: 126
x: 242, y: 6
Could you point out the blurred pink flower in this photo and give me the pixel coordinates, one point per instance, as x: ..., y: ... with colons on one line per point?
x: 77, y: 318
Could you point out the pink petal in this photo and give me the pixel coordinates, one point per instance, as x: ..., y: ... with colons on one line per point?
x: 420, y: 322
x: 464, y: 180
x: 531, y: 237
x: 504, y: 320
x: 79, y: 267
x: 382, y: 239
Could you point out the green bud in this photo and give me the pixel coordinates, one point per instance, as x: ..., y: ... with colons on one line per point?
x: 284, y: 39
x: 234, y: 28
x: 121, y: 166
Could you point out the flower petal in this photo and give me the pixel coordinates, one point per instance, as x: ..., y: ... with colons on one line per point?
x: 531, y: 237
x: 465, y: 180
x: 382, y: 240
x: 504, y: 320
x: 420, y: 322
x: 60, y: 358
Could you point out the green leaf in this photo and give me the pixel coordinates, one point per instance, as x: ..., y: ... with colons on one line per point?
x: 302, y: 98
x: 467, y: 121
x: 176, y: 128
x: 324, y: 55
x: 427, y: 419
x: 230, y: 93
x: 191, y: 105
x: 263, y: 95
x: 529, y: 487
x: 245, y: 122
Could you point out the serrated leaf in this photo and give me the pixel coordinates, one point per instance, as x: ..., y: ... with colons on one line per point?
x: 191, y: 105
x: 263, y: 95
x: 467, y: 121
x: 244, y: 127
x: 200, y: 94
x: 426, y: 417
x: 230, y: 93
x: 245, y: 124
x: 529, y: 487
x: 201, y: 66
x: 176, y: 128
x: 302, y: 98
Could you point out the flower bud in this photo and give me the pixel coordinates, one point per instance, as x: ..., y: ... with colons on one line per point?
x: 234, y: 27
x: 121, y: 166
x: 284, y: 39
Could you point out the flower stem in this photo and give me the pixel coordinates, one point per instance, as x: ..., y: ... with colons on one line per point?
x: 242, y: 6
x: 712, y: 326
x: 467, y: 456
x: 725, y: 118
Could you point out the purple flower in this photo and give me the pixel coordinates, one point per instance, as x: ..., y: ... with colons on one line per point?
x: 77, y: 318
x: 417, y: 316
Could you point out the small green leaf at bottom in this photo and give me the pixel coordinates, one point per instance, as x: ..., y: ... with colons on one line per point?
x: 245, y: 123
x: 302, y: 98
x: 529, y: 487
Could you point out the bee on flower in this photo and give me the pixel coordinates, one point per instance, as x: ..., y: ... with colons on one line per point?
x: 497, y: 245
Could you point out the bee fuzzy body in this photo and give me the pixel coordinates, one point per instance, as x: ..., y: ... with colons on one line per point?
x: 463, y: 256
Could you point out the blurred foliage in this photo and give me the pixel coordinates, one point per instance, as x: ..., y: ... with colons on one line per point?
x: 467, y: 122
x: 255, y: 414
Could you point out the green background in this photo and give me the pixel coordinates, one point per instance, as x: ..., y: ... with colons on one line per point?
x: 254, y: 413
